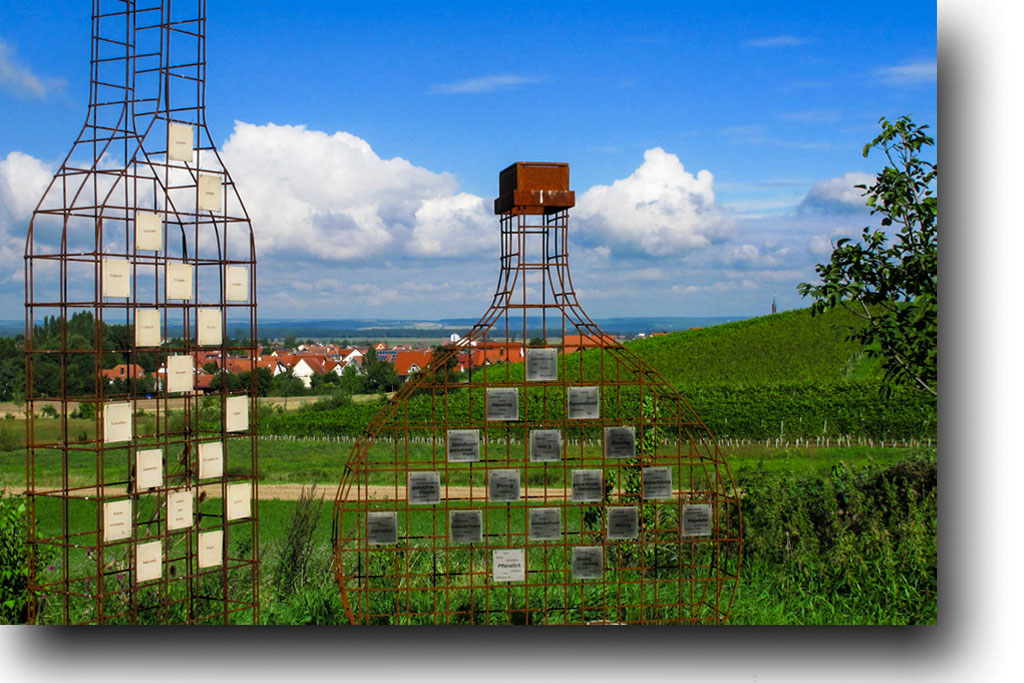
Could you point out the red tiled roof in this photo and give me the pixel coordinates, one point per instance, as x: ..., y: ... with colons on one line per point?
x: 315, y: 364
x: 270, y: 363
x: 123, y: 371
x: 236, y: 365
x: 575, y: 342
x: 406, y: 360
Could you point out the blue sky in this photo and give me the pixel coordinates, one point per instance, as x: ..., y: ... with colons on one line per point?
x: 713, y: 146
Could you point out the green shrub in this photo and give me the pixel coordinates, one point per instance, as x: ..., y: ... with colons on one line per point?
x: 86, y: 410
x: 858, y: 546
x: 13, y: 560
x: 9, y: 440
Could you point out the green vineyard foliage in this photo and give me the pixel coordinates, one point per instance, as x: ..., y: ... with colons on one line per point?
x: 782, y: 376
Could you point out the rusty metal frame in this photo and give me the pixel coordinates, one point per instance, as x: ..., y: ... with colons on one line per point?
x: 424, y: 577
x: 148, y: 70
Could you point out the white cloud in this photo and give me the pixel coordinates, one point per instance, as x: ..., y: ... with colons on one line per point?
x: 452, y: 225
x: 908, y: 74
x: 823, y: 245
x: 482, y: 84
x: 23, y: 179
x: 776, y: 41
x: 19, y: 80
x: 659, y: 209
x: 749, y: 257
x: 837, y: 195
x: 331, y: 197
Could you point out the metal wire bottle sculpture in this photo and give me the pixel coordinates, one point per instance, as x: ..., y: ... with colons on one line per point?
x: 556, y: 480
x: 140, y: 269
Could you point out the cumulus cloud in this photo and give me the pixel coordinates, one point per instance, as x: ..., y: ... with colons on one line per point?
x: 837, y: 195
x: 23, y: 179
x: 659, y: 209
x: 456, y: 222
x: 482, y: 84
x: 330, y: 196
x: 751, y: 257
x: 19, y: 80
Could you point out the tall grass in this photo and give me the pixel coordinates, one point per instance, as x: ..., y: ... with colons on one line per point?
x: 857, y: 546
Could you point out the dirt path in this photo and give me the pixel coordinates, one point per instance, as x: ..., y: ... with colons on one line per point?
x: 329, y: 491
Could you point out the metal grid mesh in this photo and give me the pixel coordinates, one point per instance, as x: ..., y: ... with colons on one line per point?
x: 624, y: 510
x: 151, y: 515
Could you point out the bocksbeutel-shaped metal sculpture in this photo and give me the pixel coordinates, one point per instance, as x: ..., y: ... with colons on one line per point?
x: 536, y: 472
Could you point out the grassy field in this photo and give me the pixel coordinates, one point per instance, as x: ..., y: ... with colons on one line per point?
x: 796, y: 588
x: 832, y: 535
x: 322, y: 462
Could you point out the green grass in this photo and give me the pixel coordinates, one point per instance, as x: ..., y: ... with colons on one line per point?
x: 826, y: 542
x: 323, y: 462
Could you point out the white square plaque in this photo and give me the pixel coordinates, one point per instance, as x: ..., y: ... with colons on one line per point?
x: 179, y: 510
x: 117, y: 278
x: 179, y: 280
x: 211, y: 328
x: 147, y: 327
x: 656, y: 483
x: 149, y: 469
x: 541, y: 365
x: 545, y: 445
x: 211, y: 459
x: 180, y: 142
x: 584, y: 403
x: 465, y: 526
x: 587, y: 562
x: 503, y: 403
x: 236, y: 413
x: 117, y: 422
x: 509, y: 565
x: 211, y: 548
x: 463, y: 445
x: 181, y: 374
x: 237, y: 278
x: 697, y: 520
x: 587, y: 486
x: 424, y: 488
x: 623, y: 523
x: 545, y: 524
x: 382, y: 528
x: 503, y: 486
x: 619, y: 442
x: 149, y: 231
x: 117, y: 520
x: 209, y: 193
x: 239, y: 500
x: 149, y: 560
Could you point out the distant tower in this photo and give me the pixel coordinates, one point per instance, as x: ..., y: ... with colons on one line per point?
x: 773, y: 304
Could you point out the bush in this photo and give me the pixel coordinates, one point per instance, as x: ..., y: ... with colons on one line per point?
x: 86, y: 411
x: 301, y: 577
x: 858, y: 546
x: 13, y: 560
x: 9, y: 440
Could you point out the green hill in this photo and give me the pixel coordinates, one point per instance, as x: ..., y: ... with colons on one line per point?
x: 789, y: 375
x: 786, y: 347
